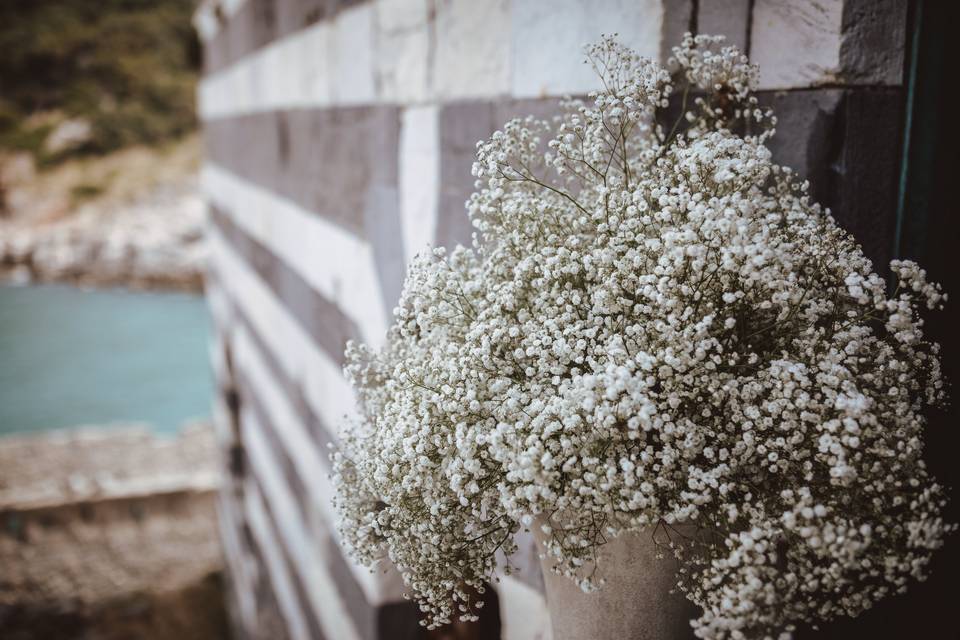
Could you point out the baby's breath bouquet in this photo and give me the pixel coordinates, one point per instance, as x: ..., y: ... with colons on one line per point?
x: 655, y: 331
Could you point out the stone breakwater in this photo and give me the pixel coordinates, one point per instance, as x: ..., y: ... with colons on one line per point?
x: 154, y: 242
x: 110, y: 533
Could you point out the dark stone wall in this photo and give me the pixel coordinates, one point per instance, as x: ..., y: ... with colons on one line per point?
x: 847, y: 143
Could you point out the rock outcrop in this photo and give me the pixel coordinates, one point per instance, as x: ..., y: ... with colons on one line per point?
x: 154, y: 242
x: 111, y: 534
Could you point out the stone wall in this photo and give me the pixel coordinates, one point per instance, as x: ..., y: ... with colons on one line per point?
x: 339, y: 138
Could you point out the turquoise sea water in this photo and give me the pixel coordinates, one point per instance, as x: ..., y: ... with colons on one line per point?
x: 70, y: 357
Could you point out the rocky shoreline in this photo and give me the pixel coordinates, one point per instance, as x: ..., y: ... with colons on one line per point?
x: 155, y: 242
x: 110, y: 533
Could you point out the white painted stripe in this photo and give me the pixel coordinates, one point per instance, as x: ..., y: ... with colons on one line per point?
x: 217, y: 307
x: 320, y: 588
x: 279, y: 577
x: 404, y: 42
x: 206, y: 24
x: 419, y: 178
x: 325, y: 389
x: 473, y: 49
x: 231, y: 7
x: 212, y: 293
x: 355, y: 59
x: 311, y: 464
x: 523, y: 611
x: 218, y: 366
x: 340, y: 266
x: 546, y: 40
x: 391, y: 52
x: 205, y: 17
x: 351, y: 55
x: 798, y: 44
x: 328, y: 63
x: 261, y: 82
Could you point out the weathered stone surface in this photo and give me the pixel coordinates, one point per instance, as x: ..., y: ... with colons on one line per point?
x: 301, y: 619
x: 292, y: 15
x: 252, y: 599
x: 808, y: 138
x: 91, y: 463
x: 782, y: 28
x: 806, y: 44
x: 873, y: 44
x: 249, y: 28
x: 320, y: 318
x: 403, y: 50
x: 381, y: 210
x: 233, y: 34
x: 846, y: 142
x: 365, y: 615
x: 337, y: 264
x: 472, y: 55
x: 547, y: 38
x: 329, y: 161
x: 730, y: 18
x: 351, y: 56
x: 461, y: 125
x: 679, y: 17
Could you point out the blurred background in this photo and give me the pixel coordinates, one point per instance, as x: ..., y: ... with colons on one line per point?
x: 98, y: 190
x: 107, y: 463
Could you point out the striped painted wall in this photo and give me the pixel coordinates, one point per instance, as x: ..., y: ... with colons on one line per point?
x: 339, y: 138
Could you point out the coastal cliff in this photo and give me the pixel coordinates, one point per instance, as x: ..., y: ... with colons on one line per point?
x: 132, y: 218
x: 110, y: 533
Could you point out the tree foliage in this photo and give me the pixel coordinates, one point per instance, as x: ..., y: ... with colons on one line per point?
x: 128, y: 67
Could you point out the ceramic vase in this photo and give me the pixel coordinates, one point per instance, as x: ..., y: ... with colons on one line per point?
x: 634, y: 604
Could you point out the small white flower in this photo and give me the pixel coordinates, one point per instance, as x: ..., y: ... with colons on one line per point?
x: 655, y: 327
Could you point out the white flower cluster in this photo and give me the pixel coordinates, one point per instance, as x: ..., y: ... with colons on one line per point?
x: 655, y: 331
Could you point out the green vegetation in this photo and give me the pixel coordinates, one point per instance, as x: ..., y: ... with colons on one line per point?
x: 85, y: 191
x: 125, y: 68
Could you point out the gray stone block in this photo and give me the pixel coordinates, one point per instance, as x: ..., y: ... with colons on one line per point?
x: 460, y: 126
x: 873, y: 41
x: 846, y: 142
x: 679, y: 17
x: 807, y: 135
x: 730, y: 18
x: 831, y: 42
x: 257, y: 23
x: 335, y: 162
